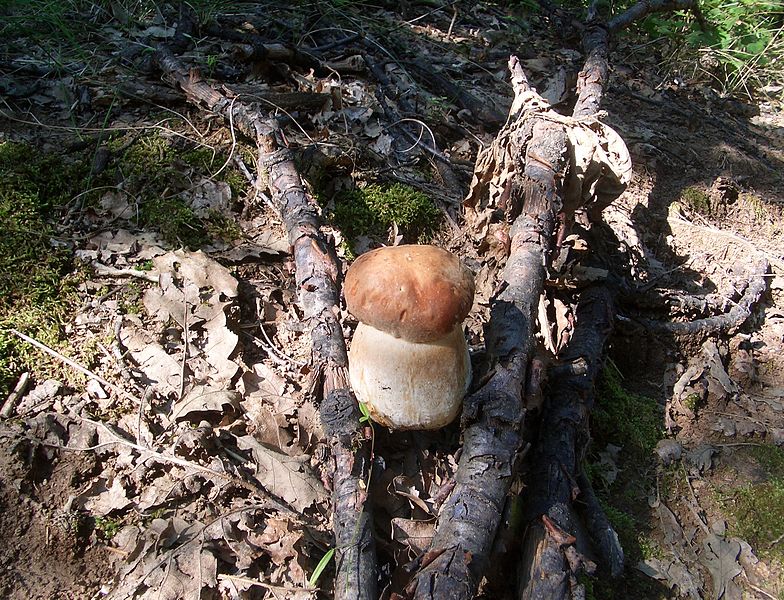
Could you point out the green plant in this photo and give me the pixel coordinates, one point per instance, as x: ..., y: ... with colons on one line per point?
x: 107, y: 526
x: 313, y: 580
x: 697, y: 200
x: 741, y: 50
x: 756, y: 510
x: 770, y: 458
x: 692, y: 401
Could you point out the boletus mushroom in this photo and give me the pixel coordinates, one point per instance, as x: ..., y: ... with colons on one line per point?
x: 409, y: 360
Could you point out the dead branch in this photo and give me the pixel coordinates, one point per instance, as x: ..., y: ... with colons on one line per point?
x: 318, y: 275
x: 484, y: 112
x: 75, y: 366
x: 19, y: 389
x: 555, y: 541
x: 645, y: 7
x: 460, y: 549
x: 729, y: 321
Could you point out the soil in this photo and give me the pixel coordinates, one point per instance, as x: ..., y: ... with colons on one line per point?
x: 47, y: 551
x: 703, y: 211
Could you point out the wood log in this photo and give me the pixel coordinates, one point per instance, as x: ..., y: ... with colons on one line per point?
x: 318, y: 276
x: 458, y: 554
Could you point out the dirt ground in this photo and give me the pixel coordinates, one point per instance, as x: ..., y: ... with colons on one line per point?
x: 145, y: 481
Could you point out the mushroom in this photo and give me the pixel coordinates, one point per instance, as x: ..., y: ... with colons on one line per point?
x: 409, y: 360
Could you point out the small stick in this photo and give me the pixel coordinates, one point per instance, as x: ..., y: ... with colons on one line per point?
x: 102, y: 269
x: 74, y: 365
x: 13, y: 397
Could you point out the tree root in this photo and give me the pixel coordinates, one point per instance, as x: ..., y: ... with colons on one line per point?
x: 729, y: 321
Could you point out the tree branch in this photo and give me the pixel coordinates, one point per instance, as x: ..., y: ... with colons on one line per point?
x: 318, y: 275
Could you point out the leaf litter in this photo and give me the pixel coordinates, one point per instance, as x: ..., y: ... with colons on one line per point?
x: 212, y: 415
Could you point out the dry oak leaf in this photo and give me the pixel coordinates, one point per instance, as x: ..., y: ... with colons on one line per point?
x: 285, y: 476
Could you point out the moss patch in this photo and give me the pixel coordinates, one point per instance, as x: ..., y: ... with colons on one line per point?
x: 756, y: 510
x: 697, y: 200
x: 157, y: 171
x: 634, y: 423
x: 370, y: 211
x: 623, y: 418
x: 37, y: 285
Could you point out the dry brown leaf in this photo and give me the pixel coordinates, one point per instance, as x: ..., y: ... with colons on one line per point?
x: 205, y: 402
x: 414, y: 534
x: 101, y: 500
x: 163, y: 370
x: 285, y: 476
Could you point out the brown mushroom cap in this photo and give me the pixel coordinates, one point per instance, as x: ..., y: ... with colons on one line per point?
x: 417, y: 293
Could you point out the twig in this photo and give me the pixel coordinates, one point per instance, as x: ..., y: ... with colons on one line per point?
x: 102, y: 269
x: 759, y: 590
x: 280, y: 354
x: 74, y: 365
x: 184, y: 349
x: 269, y: 586
x: 13, y: 397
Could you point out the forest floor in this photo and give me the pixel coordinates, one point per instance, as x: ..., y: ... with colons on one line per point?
x: 180, y: 454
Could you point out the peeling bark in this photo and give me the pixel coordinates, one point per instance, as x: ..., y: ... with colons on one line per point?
x: 459, y: 552
x: 318, y: 273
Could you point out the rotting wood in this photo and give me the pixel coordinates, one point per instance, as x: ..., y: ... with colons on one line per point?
x: 457, y: 557
x: 318, y: 274
x: 556, y: 540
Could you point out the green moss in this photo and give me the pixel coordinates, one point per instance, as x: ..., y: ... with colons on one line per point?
x: 149, y: 156
x: 770, y: 458
x: 756, y: 510
x: 758, y: 514
x: 222, y: 226
x: 202, y: 158
x: 37, y: 280
x: 692, y: 401
x: 370, y: 211
x: 629, y: 420
x: 175, y: 220
x: 697, y: 200
x: 236, y: 180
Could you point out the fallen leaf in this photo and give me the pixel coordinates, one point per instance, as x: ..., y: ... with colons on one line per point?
x: 204, y: 402
x: 414, y: 534
x: 285, y: 476
x: 720, y: 557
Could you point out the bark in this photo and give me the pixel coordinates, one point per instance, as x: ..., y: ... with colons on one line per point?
x: 318, y: 274
x: 730, y: 320
x: 458, y: 554
x: 555, y: 543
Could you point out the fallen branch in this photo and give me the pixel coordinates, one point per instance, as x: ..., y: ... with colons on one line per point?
x: 551, y: 561
x: 318, y: 275
x: 10, y: 402
x: 459, y: 552
x: 729, y: 321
